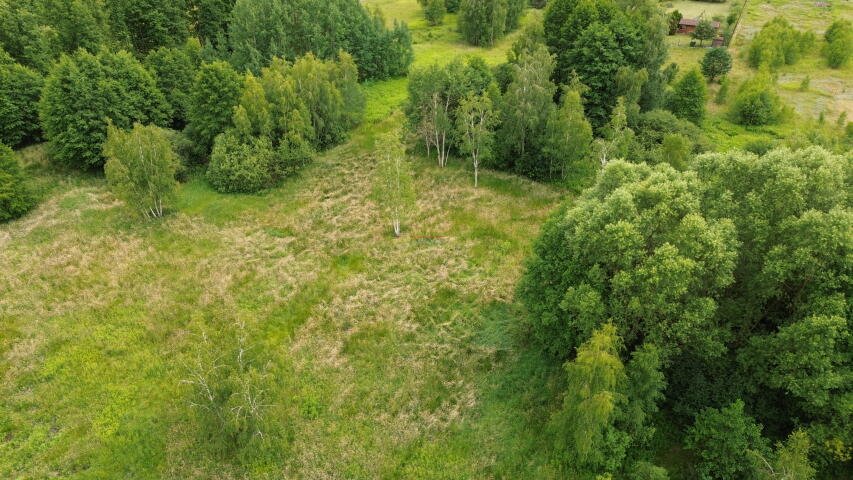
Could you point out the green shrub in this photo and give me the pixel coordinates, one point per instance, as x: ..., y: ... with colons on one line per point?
x: 16, y: 198
x: 20, y: 88
x: 654, y: 125
x: 688, y: 97
x: 778, y: 43
x: 756, y: 102
x: 839, y: 28
x: 141, y: 167
x: 83, y: 92
x: 292, y: 154
x: 839, y: 42
x: 241, y: 167
x: 759, y: 146
x: 230, y: 382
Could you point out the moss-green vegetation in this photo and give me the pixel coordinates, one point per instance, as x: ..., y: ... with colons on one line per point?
x: 365, y: 356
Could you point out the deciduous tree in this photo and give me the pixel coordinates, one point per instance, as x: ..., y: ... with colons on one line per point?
x: 216, y: 90
x: 704, y: 31
x: 20, y: 89
x: 688, y: 97
x: 475, y: 120
x: 568, y: 138
x: 83, y: 92
x: 174, y: 70
x: 716, y: 63
x: 527, y: 104
x: 141, y: 168
x: 394, y: 186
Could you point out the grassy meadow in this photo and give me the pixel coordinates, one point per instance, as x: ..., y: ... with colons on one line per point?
x: 829, y: 91
x: 384, y: 349
x: 390, y: 358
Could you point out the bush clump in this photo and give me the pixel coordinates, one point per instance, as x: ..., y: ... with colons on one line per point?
x: 756, y: 102
x: 16, y: 198
x: 237, y: 166
x: 84, y: 92
x: 839, y: 42
x: 778, y: 43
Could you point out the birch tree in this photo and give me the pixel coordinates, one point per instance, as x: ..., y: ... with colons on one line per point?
x: 394, y: 187
x: 435, y: 93
x: 618, y: 137
x: 527, y: 103
x: 141, y: 167
x: 475, y: 120
x: 437, y: 118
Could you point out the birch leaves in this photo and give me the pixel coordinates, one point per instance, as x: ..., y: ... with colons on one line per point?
x: 475, y: 120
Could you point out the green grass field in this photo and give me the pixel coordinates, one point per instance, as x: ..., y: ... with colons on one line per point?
x: 694, y: 8
x: 392, y: 358
x: 389, y: 345
x: 390, y: 355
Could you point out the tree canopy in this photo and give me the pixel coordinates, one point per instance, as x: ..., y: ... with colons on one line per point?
x: 83, y: 92
x: 260, y: 30
x: 737, y: 269
x: 594, y: 39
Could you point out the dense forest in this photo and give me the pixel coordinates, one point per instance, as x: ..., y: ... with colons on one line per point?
x: 562, y: 239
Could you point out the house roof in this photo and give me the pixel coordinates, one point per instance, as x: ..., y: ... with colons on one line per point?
x: 692, y: 22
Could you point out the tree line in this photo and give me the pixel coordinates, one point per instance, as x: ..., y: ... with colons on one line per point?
x: 252, y: 87
x: 712, y: 303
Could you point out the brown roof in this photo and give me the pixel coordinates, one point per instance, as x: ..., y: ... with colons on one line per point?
x: 692, y: 22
